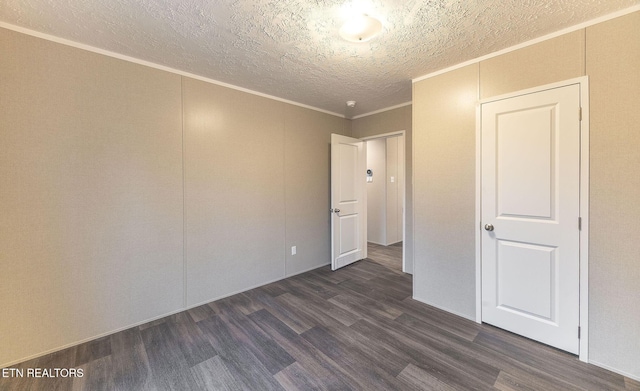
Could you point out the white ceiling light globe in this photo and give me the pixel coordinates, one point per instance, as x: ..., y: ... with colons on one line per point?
x: 360, y: 28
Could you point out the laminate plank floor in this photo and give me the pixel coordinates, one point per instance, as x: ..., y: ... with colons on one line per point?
x: 389, y: 256
x: 353, y: 329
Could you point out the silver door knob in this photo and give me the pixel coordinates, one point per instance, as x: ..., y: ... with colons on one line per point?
x: 488, y: 227
x: 334, y: 210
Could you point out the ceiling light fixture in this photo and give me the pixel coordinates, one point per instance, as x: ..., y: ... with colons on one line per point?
x: 360, y: 28
x: 351, y: 103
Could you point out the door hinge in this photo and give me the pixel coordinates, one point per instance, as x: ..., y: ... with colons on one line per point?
x: 579, y: 223
x: 580, y: 114
x: 578, y: 332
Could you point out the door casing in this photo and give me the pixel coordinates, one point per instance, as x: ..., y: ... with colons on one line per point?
x: 583, y: 82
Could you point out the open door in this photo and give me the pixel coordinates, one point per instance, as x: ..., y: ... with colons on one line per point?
x: 348, y: 201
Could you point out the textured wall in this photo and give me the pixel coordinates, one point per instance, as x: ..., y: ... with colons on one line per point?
x: 234, y: 190
x: 387, y: 122
x: 546, y: 62
x: 376, y: 192
x: 611, y: 59
x: 91, y: 195
x: 307, y: 152
x: 95, y: 187
x: 613, y: 66
x: 394, y: 197
x: 444, y: 131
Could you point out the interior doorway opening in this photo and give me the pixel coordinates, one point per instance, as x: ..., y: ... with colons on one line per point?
x: 386, y: 192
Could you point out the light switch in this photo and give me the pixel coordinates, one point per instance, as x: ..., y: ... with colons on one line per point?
x: 393, y: 179
x: 293, y: 250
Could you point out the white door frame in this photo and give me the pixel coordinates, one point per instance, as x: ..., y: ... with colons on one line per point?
x: 404, y: 193
x: 584, y: 203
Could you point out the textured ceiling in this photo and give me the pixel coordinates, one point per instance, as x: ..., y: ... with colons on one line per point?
x: 291, y: 48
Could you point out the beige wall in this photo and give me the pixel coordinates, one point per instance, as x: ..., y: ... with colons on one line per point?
x: 234, y: 190
x: 91, y: 195
x: 444, y: 190
x: 101, y: 203
x: 444, y: 133
x: 613, y: 66
x: 307, y: 157
x: 376, y: 192
x: 394, y: 197
x: 549, y: 61
x: 387, y: 122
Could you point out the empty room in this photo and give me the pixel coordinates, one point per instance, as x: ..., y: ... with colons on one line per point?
x: 297, y: 195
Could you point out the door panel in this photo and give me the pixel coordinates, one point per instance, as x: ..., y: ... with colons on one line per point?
x: 348, y: 201
x: 526, y: 278
x: 525, y: 143
x: 530, y: 206
x: 348, y: 165
x: 349, y: 233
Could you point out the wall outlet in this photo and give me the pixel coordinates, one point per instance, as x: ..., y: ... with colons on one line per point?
x: 293, y: 250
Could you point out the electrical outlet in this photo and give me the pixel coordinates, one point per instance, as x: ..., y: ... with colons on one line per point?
x: 293, y: 250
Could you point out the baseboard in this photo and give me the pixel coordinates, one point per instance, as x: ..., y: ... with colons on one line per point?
x: 250, y: 288
x: 635, y: 377
x: 374, y: 242
x: 72, y: 344
x: 105, y: 334
x: 471, y: 318
x: 384, y: 245
x: 308, y: 269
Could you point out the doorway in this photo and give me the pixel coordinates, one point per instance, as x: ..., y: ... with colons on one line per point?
x: 386, y: 192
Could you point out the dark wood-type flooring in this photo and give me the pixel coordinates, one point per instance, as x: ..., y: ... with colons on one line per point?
x: 354, y: 329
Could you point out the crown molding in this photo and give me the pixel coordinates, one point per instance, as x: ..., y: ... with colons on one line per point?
x: 382, y: 110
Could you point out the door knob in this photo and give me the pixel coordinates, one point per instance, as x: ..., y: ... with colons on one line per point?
x: 334, y: 210
x: 488, y: 227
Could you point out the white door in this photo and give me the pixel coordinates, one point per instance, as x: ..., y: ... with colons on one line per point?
x: 348, y: 201
x: 530, y: 211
